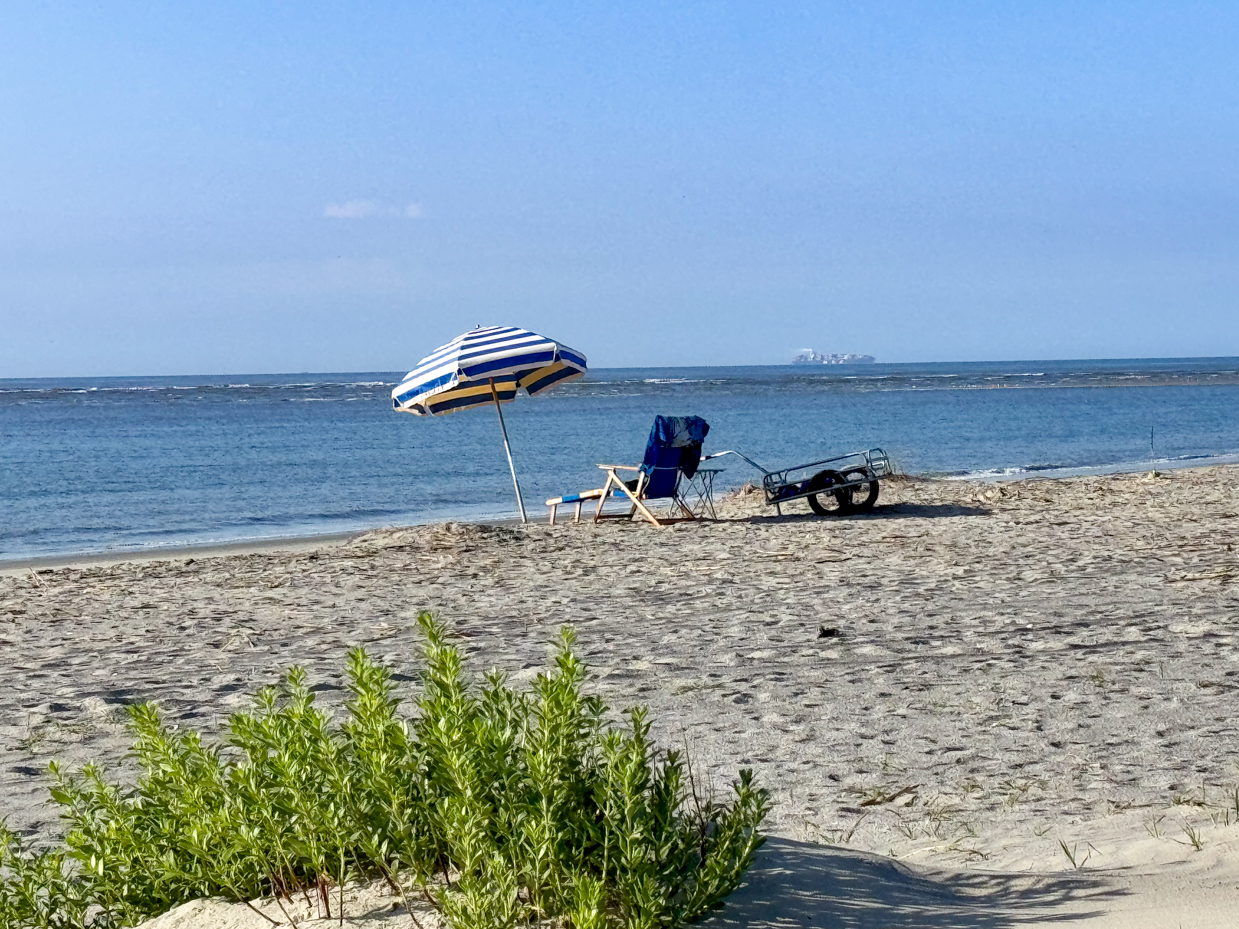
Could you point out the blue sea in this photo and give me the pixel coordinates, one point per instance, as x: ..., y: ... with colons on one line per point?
x: 119, y: 464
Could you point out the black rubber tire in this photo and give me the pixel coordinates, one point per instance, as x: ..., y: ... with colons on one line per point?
x: 822, y: 481
x: 862, y: 499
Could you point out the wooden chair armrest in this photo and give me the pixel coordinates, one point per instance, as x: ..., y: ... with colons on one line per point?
x: 620, y: 467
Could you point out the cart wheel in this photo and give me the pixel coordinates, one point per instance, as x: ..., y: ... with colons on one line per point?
x: 860, y: 502
x: 829, y: 502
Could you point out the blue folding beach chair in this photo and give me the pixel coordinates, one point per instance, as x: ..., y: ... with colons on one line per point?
x: 669, y: 471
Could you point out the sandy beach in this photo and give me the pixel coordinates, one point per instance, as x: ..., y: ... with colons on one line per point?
x: 979, y: 705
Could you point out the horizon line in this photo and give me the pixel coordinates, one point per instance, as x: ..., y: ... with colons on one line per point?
x: 781, y: 365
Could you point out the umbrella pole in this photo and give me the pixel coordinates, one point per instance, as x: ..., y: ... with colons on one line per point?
x: 508, y: 448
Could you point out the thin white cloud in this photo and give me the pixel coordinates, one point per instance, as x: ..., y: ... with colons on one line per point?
x: 351, y: 209
x: 364, y: 209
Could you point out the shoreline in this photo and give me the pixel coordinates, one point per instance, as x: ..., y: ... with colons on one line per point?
x: 38, y: 564
x: 305, y: 542
x: 293, y: 543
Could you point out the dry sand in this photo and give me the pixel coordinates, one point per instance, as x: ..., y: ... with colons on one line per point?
x: 937, y: 693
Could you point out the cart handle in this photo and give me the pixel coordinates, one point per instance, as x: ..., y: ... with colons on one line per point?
x: 738, y: 455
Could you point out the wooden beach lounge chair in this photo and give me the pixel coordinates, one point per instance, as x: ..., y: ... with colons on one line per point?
x: 671, y: 458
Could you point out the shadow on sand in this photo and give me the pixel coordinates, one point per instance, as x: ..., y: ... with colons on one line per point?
x: 889, y: 511
x: 799, y: 884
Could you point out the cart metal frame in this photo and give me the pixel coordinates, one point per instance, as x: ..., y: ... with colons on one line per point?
x: 793, y: 483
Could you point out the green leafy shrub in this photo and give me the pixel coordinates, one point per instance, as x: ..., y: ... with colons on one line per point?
x: 500, y: 807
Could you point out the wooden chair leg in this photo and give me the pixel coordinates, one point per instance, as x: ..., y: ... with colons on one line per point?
x: 606, y: 489
x: 638, y: 505
x: 554, y: 507
x: 576, y: 516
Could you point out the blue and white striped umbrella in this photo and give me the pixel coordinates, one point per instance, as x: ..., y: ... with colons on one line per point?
x: 487, y: 365
x: 458, y: 375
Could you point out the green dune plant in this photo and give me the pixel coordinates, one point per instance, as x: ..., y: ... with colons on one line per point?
x: 498, y: 807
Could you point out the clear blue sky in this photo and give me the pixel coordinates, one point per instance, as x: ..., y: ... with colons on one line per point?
x: 252, y: 187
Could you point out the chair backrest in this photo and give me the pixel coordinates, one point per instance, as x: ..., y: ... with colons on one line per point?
x: 674, y: 448
x: 662, y: 473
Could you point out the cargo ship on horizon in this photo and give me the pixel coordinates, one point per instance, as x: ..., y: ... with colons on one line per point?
x: 807, y: 356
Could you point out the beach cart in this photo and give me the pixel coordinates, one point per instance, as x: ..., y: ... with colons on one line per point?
x: 833, y: 486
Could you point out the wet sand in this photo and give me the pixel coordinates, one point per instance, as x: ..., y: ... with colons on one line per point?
x: 961, y: 679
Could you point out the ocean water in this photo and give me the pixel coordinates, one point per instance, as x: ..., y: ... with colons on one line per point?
x: 126, y: 463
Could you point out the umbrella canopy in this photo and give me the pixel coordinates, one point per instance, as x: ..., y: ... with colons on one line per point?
x: 488, y: 364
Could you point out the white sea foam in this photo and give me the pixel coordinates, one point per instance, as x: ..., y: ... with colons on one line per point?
x: 1122, y: 467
